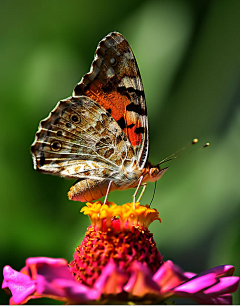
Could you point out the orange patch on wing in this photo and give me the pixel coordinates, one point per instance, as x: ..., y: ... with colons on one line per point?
x: 112, y: 100
x: 117, y: 104
x: 134, y: 138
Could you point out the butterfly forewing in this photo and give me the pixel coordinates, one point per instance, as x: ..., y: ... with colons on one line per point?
x: 114, y: 82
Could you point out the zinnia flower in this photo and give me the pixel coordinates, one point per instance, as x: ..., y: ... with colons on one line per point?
x: 118, y: 263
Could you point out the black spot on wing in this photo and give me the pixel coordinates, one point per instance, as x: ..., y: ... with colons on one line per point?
x: 121, y: 122
x: 109, y: 110
x: 42, y: 159
x: 124, y: 91
x: 77, y: 90
x: 64, y: 111
x: 56, y: 121
x: 134, y: 108
x: 139, y: 130
x: 130, y: 126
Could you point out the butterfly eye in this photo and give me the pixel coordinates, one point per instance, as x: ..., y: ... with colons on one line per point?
x: 154, y: 171
x: 75, y: 118
x: 56, y: 145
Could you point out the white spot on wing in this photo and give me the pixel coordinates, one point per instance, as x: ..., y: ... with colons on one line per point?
x: 110, y: 72
x: 129, y: 55
x: 119, y: 39
x: 112, y: 61
x: 131, y: 82
x: 139, y: 83
x: 126, y: 82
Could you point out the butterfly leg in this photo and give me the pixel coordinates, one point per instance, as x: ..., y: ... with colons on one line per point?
x: 142, y: 192
x: 107, y: 193
x: 135, y: 194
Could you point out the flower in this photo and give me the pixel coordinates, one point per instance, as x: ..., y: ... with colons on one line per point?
x: 117, y: 262
x: 124, y: 239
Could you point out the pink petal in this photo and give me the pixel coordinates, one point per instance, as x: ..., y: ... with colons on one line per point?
x: 50, y: 278
x: 51, y: 268
x: 54, y: 279
x: 208, y: 288
x: 111, y: 280
x: 196, y: 284
x: 225, y: 285
x: 169, y: 276
x: 225, y: 299
x: 77, y: 293
x: 220, y: 271
x: 200, y: 298
x: 140, y: 281
x: 21, y: 285
x: 189, y: 274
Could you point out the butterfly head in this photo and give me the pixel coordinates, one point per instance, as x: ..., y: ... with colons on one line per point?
x: 154, y: 173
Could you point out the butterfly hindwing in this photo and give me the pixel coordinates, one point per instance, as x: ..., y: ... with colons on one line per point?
x: 80, y: 139
x: 114, y: 82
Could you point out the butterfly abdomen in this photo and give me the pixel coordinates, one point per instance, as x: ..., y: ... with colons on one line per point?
x: 86, y: 190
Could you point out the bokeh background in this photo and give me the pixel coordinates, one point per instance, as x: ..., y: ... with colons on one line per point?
x: 188, y: 53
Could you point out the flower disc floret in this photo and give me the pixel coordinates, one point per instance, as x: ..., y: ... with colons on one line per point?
x: 129, y: 216
x: 124, y: 246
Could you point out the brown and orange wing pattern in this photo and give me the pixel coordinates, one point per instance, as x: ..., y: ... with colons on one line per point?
x: 80, y: 139
x: 115, y: 83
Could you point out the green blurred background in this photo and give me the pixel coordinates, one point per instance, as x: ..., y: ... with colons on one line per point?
x: 189, y: 57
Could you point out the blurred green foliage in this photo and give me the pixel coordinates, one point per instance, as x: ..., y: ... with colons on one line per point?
x: 188, y: 55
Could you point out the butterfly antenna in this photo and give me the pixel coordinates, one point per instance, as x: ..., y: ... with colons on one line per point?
x: 155, y: 186
x: 207, y: 144
x: 174, y: 156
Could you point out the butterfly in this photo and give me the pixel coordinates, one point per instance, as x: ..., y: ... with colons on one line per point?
x: 99, y: 135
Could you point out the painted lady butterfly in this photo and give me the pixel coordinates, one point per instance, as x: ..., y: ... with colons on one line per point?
x: 100, y: 134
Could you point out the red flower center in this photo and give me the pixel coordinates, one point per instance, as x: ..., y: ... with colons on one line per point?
x: 122, y: 245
